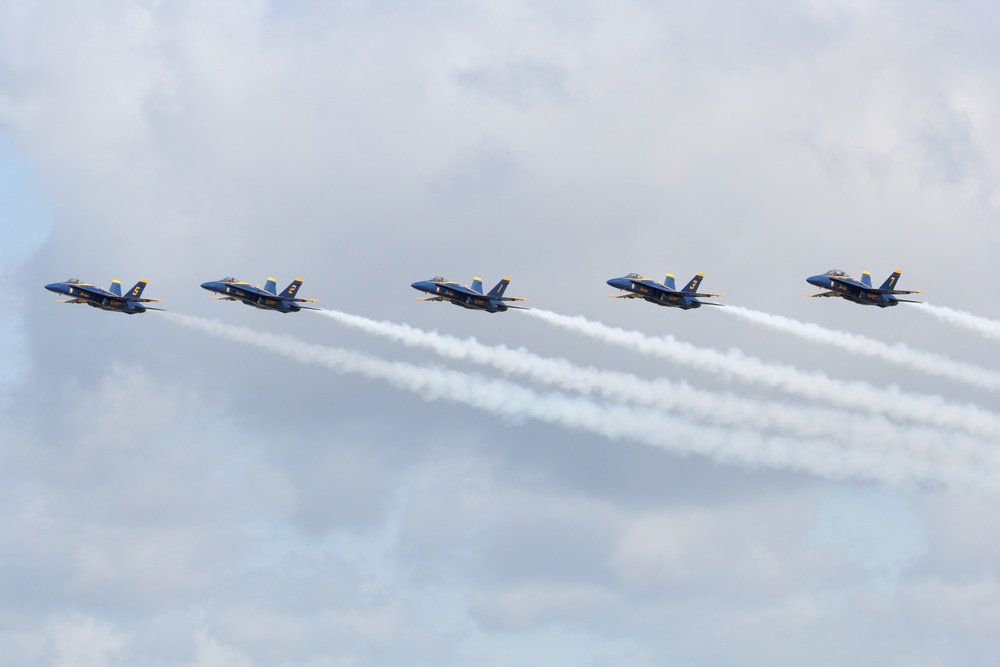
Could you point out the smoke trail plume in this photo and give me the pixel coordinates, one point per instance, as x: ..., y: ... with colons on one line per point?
x: 981, y: 325
x: 500, y: 397
x: 853, y: 395
x: 711, y: 407
x: 896, y: 353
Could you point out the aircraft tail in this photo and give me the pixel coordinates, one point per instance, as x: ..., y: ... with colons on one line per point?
x: 290, y: 290
x: 890, y: 282
x: 477, y: 284
x: 116, y: 287
x: 271, y: 286
x: 695, y: 282
x: 669, y: 281
x: 500, y: 288
x: 136, y: 291
x: 866, y: 279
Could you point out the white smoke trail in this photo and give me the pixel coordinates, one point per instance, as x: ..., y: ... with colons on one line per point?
x: 614, y: 422
x: 981, y: 325
x: 896, y: 353
x: 722, y: 409
x: 734, y: 364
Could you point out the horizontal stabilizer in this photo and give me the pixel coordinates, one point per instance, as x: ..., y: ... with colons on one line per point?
x: 519, y: 307
x: 162, y: 310
x: 712, y: 303
x: 701, y: 295
x: 147, y: 300
x: 510, y: 298
x: 898, y: 291
x: 908, y: 301
x: 303, y: 300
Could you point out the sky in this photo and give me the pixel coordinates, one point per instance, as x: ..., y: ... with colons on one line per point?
x: 626, y: 486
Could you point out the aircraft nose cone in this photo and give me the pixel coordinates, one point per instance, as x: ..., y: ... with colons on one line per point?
x: 53, y: 287
x: 818, y: 281
x: 619, y: 283
x: 423, y: 286
x: 211, y: 285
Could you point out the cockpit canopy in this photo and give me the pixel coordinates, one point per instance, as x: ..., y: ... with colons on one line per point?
x: 439, y: 279
x: 229, y: 279
x: 837, y: 273
x: 633, y: 275
x: 73, y: 281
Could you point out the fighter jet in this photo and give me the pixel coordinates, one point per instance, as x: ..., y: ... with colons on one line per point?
x: 105, y: 299
x: 840, y: 284
x: 466, y: 296
x: 662, y: 294
x: 264, y: 297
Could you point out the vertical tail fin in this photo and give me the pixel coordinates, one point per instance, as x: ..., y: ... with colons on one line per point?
x: 291, y: 289
x: 116, y: 287
x: 866, y: 279
x: 136, y: 291
x: 695, y: 282
x: 477, y: 284
x: 500, y: 288
x: 890, y: 282
x: 669, y: 281
x: 271, y: 286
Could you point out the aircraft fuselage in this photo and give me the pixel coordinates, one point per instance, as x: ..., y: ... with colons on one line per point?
x: 857, y: 293
x: 654, y: 293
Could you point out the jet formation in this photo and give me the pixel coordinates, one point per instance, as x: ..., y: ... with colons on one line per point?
x: 835, y: 282
x: 106, y: 299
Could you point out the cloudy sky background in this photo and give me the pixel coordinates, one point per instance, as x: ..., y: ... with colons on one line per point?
x: 172, y: 498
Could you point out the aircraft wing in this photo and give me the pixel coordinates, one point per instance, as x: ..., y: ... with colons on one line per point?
x: 897, y: 291
x: 430, y: 298
x: 70, y: 301
x: 624, y: 296
x: 825, y: 294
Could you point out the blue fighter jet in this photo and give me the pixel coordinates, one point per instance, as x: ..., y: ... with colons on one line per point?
x: 265, y: 298
x: 662, y: 294
x: 840, y: 284
x: 466, y: 296
x: 105, y: 299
